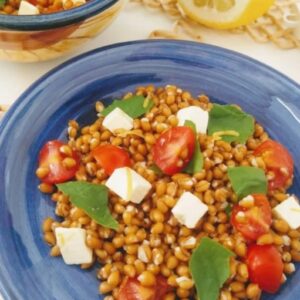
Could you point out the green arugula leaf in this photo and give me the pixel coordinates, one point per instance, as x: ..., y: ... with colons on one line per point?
x: 230, y: 124
x: 135, y: 106
x: 196, y: 163
x: 248, y: 180
x: 92, y: 198
x: 209, y: 266
x: 2, y: 2
x: 156, y: 169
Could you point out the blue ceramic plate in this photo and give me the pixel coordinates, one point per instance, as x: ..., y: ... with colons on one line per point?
x: 42, y: 112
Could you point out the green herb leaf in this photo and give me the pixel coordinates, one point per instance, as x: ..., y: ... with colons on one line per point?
x: 230, y: 124
x: 228, y: 210
x: 196, y: 163
x: 209, y: 266
x: 135, y: 106
x: 248, y: 180
x: 2, y: 2
x: 92, y: 198
x: 156, y: 169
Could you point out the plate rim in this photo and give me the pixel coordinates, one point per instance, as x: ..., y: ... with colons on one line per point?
x: 87, y: 54
x: 20, y: 103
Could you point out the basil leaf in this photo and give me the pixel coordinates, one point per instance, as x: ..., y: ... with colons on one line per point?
x: 228, y: 210
x: 196, y: 163
x: 230, y: 124
x: 156, y: 169
x: 92, y: 198
x: 135, y: 106
x: 209, y: 266
x: 247, y: 180
x: 2, y: 2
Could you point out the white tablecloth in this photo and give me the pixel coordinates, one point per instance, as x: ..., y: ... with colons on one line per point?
x: 136, y: 22
x: 133, y: 23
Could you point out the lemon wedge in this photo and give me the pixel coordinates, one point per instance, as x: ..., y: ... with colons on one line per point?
x: 224, y: 14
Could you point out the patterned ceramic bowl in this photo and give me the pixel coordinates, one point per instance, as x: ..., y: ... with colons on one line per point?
x: 44, y: 37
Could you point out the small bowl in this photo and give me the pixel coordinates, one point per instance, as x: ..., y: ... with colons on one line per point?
x: 44, y: 37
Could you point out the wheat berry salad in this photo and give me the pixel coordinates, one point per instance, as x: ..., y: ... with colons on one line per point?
x: 174, y: 197
x: 37, y: 7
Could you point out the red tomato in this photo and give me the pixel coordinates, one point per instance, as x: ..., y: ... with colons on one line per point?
x: 110, y: 157
x: 162, y: 287
x: 51, y: 157
x: 131, y: 289
x: 33, y: 2
x: 278, y: 160
x: 169, y: 146
x: 265, y: 267
x: 257, y: 219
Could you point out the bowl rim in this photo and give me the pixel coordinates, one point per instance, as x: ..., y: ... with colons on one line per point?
x: 55, y: 20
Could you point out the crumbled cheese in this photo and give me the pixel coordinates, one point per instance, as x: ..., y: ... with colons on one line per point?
x: 142, y: 255
x: 191, y: 241
x: 181, y: 279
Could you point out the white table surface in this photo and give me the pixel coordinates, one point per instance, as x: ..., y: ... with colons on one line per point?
x: 15, y: 77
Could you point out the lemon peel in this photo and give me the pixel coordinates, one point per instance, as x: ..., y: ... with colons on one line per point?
x: 224, y: 14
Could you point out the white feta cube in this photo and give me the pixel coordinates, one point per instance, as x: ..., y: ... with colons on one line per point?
x: 27, y: 8
x: 289, y: 211
x: 189, y: 209
x: 195, y: 114
x: 128, y: 184
x: 71, y: 242
x: 118, y: 119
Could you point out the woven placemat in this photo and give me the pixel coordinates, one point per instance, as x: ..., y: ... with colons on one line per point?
x: 272, y: 27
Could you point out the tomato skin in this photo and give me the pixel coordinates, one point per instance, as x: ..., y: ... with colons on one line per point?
x: 131, y: 289
x: 278, y: 160
x: 166, y: 151
x: 111, y: 157
x: 33, y: 2
x: 257, y: 219
x: 162, y: 287
x: 51, y: 157
x: 265, y: 267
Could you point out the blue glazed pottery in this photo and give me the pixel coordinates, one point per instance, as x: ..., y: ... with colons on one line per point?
x: 27, y: 272
x: 44, y: 37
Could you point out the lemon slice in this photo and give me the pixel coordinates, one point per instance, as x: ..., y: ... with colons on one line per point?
x: 224, y: 14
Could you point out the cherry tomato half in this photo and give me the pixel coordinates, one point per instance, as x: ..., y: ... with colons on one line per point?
x: 256, y: 220
x: 174, y: 149
x: 111, y: 157
x: 52, y: 158
x: 278, y: 161
x: 265, y: 267
x: 131, y: 289
x: 33, y: 2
